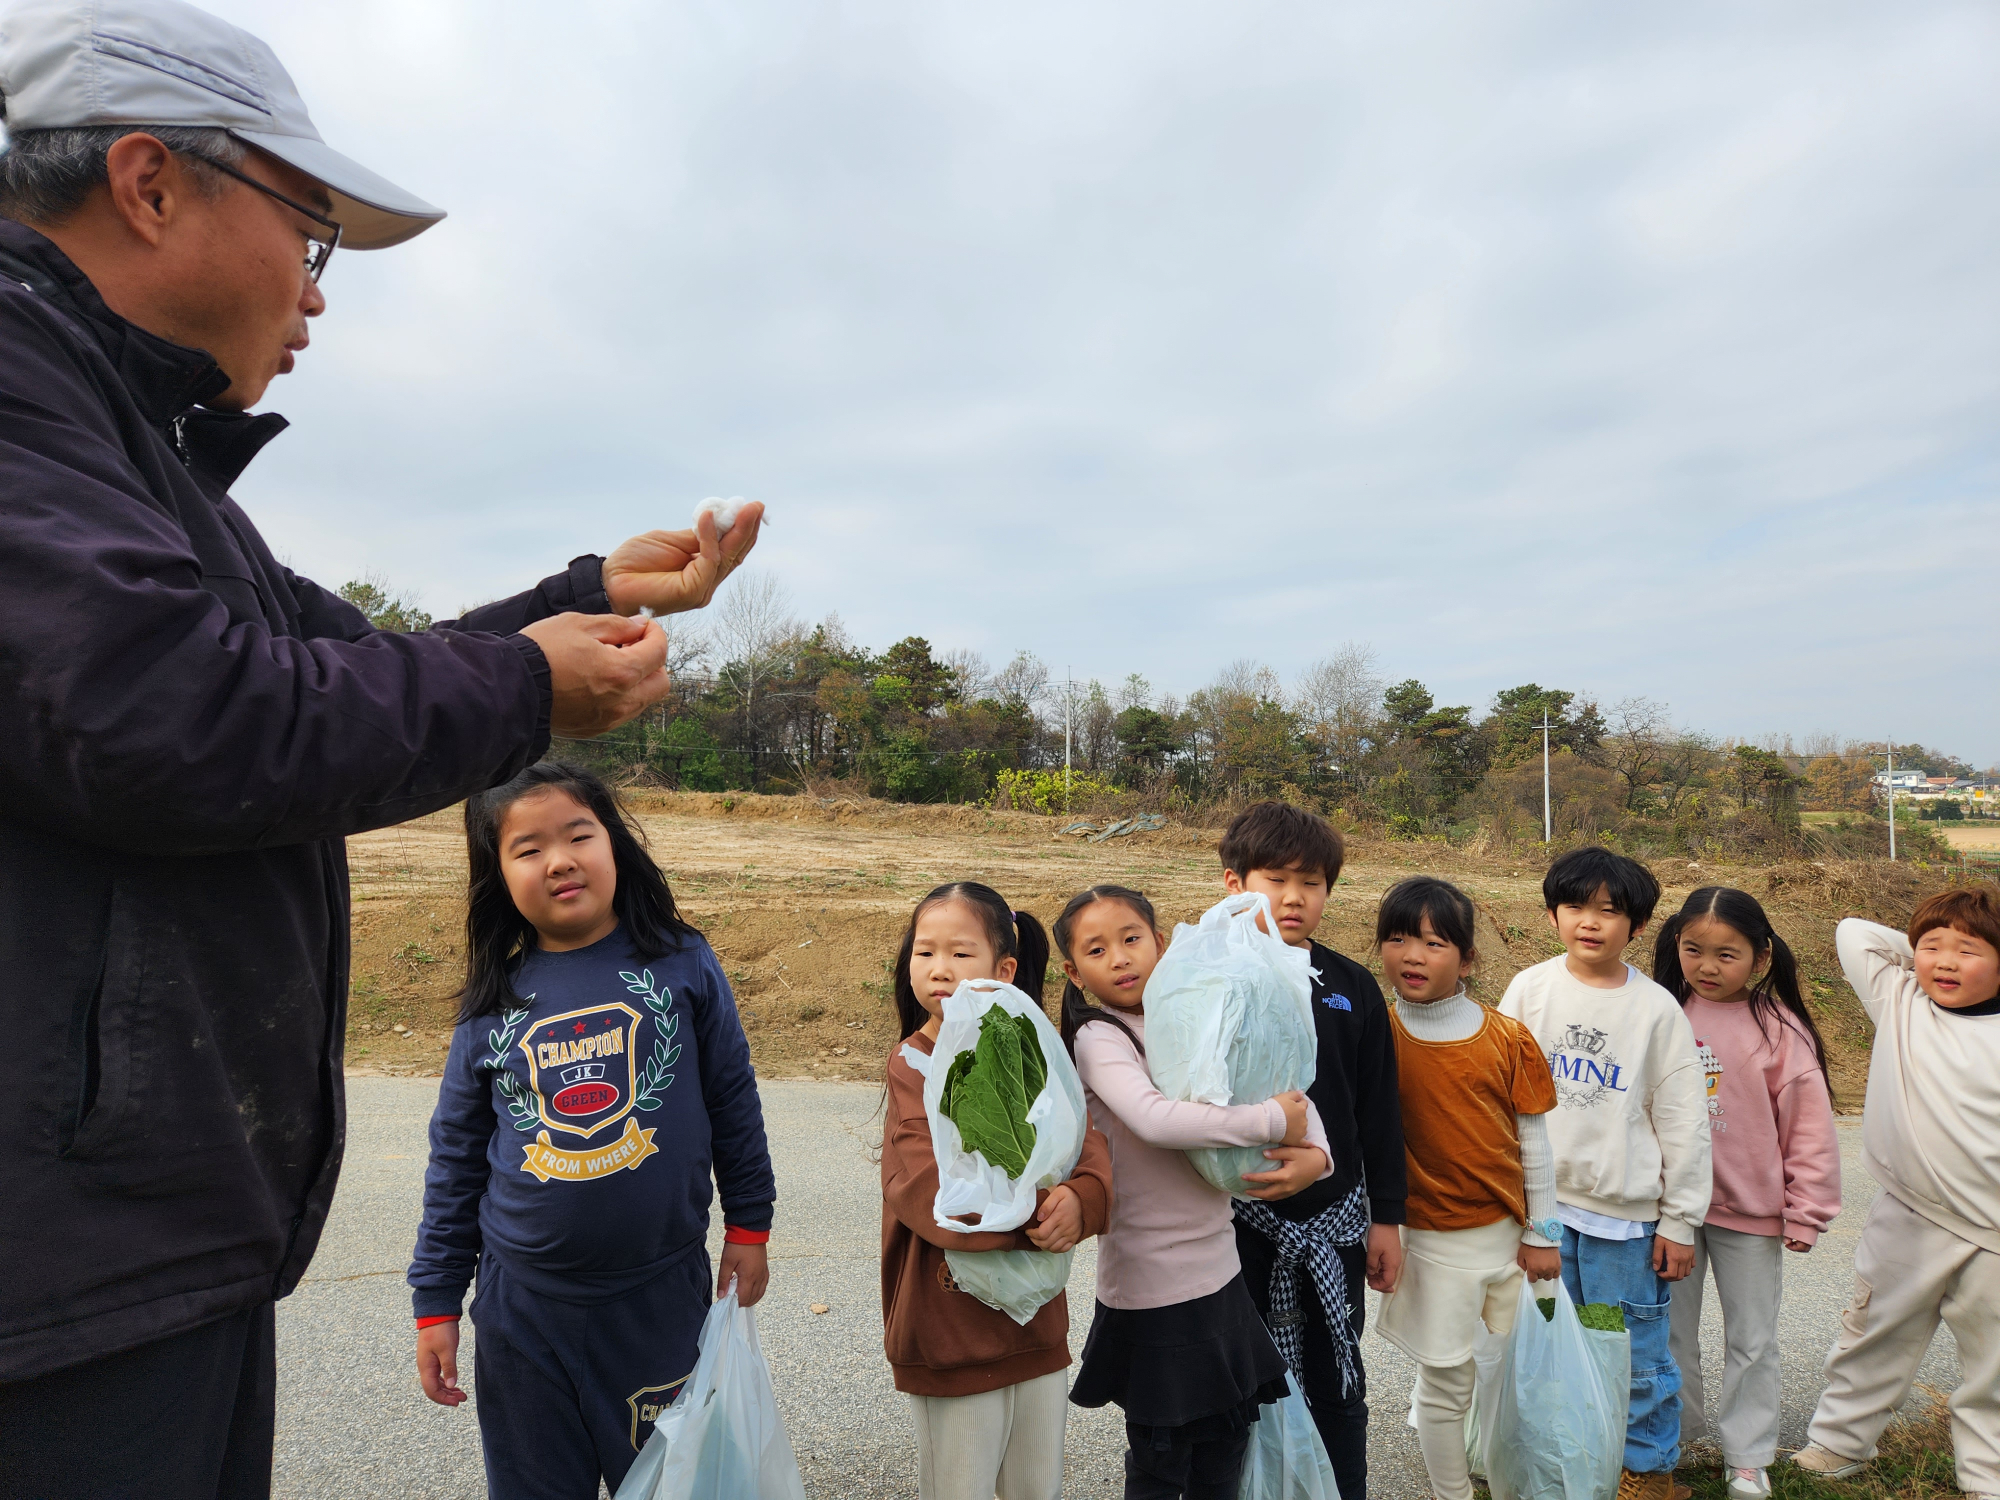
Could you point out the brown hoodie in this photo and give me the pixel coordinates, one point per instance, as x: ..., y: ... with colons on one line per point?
x: 942, y: 1341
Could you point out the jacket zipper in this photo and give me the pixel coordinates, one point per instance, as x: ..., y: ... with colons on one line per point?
x: 180, y: 441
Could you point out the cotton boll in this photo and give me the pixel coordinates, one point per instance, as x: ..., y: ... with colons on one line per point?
x: 724, y: 511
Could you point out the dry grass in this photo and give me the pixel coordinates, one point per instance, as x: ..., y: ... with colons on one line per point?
x: 1914, y: 1463
x: 805, y: 899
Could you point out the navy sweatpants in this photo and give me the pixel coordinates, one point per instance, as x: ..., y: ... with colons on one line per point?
x: 568, y: 1391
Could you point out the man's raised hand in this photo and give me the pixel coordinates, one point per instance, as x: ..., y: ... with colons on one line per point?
x: 602, y: 670
x: 672, y: 571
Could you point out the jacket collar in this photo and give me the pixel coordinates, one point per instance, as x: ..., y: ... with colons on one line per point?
x: 168, y: 382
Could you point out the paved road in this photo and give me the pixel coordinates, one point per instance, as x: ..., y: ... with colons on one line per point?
x: 351, y: 1422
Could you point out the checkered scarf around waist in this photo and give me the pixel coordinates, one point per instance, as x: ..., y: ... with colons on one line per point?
x: 1310, y: 1244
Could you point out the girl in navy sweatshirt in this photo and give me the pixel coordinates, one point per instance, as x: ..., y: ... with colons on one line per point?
x: 597, y: 1075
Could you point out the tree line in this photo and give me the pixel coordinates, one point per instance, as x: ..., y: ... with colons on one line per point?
x: 764, y: 702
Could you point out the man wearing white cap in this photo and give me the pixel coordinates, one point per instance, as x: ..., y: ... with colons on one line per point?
x: 188, y: 730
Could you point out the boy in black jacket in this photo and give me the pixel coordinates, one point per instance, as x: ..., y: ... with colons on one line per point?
x: 1305, y: 1257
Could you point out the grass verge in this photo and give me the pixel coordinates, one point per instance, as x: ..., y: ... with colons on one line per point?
x: 1914, y: 1463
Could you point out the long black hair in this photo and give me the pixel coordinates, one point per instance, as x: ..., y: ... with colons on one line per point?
x: 1014, y: 934
x: 497, y: 935
x: 1078, y: 1010
x: 1775, y: 997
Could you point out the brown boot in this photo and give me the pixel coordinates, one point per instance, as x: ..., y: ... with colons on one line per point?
x: 1645, y: 1486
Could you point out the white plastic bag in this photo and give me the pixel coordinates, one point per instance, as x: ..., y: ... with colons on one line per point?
x: 1286, y: 1459
x: 1549, y: 1402
x: 1015, y: 1282
x: 1229, y: 1021
x: 722, y: 1438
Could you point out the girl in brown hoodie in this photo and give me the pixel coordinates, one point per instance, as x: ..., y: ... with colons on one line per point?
x: 988, y: 1395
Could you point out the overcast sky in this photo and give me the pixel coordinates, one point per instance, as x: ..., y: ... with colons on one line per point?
x: 1634, y: 350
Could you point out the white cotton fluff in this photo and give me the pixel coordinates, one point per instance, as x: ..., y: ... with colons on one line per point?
x: 724, y: 511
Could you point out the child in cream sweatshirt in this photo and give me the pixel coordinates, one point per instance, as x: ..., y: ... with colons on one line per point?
x: 1930, y: 1134
x: 1629, y: 1131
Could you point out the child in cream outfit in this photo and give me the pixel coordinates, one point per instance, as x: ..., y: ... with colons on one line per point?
x: 1930, y: 1134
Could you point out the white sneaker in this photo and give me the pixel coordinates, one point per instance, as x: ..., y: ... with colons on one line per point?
x: 1826, y: 1463
x: 1749, y: 1484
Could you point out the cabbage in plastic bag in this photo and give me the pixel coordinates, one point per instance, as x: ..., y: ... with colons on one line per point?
x: 1229, y: 1021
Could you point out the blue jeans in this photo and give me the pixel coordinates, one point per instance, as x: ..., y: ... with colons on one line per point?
x: 1621, y: 1271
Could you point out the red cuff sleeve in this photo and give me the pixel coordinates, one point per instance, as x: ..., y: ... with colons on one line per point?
x: 445, y: 1318
x: 731, y: 1235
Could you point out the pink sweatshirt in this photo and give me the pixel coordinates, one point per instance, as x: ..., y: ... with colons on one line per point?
x: 1770, y: 1121
x: 1172, y: 1237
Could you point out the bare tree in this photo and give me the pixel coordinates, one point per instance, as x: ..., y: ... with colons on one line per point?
x: 1339, y: 698
x: 1634, y: 743
x: 1136, y: 693
x: 971, y: 674
x: 1023, y: 680
x: 750, y: 629
x: 1685, y: 761
x: 1819, y: 742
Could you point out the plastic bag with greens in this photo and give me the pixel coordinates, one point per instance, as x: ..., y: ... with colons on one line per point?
x: 1007, y: 1119
x: 1548, y: 1405
x: 1229, y: 1021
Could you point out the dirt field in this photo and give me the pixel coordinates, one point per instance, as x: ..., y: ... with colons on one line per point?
x: 806, y: 903
x: 1982, y: 837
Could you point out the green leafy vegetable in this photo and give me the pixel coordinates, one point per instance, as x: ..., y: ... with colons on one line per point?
x: 988, y: 1090
x: 1604, y: 1317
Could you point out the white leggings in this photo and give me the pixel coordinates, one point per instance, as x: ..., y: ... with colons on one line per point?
x: 1441, y: 1399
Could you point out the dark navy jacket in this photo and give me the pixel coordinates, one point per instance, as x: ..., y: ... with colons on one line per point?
x: 1354, y: 1090
x: 187, y: 730
x: 575, y: 1133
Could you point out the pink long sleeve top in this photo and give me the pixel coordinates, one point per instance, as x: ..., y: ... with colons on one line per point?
x: 1171, y: 1237
x: 1770, y: 1121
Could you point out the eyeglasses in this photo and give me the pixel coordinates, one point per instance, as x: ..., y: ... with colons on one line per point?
x: 319, y: 248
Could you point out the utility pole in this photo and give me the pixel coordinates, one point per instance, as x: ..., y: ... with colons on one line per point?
x: 1548, y: 823
x: 1892, y: 796
x: 1069, y: 706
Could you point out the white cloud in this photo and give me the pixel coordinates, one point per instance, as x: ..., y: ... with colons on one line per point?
x: 1640, y: 351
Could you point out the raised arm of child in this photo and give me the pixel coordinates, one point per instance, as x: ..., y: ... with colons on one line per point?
x: 1878, y: 962
x: 448, y: 1238
x: 741, y: 1153
x: 1111, y: 1068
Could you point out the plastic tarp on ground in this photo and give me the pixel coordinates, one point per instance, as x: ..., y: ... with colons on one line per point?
x: 1548, y: 1406
x: 1229, y: 1021
x: 722, y: 1438
x: 1016, y: 1282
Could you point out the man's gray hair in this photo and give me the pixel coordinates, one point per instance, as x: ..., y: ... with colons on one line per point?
x: 45, y: 175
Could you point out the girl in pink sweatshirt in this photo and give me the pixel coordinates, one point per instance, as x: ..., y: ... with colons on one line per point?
x: 1176, y: 1341
x: 1776, y: 1162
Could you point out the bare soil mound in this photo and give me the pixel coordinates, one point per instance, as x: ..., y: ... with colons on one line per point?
x: 805, y: 902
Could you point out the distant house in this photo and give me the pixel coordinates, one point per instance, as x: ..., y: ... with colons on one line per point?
x: 1903, y: 780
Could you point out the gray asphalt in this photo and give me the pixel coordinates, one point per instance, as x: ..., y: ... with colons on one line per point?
x: 352, y: 1423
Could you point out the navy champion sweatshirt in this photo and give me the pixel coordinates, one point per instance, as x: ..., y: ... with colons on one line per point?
x: 574, y: 1135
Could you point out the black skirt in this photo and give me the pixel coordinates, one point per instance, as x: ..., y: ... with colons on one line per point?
x: 1209, y: 1361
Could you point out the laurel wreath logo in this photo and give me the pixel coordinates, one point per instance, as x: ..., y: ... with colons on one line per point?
x: 520, y: 1108
x: 653, y: 1077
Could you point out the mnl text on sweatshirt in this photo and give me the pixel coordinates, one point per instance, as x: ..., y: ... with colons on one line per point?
x: 1630, y: 1127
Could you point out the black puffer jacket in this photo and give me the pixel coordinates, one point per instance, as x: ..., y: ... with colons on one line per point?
x: 187, y: 730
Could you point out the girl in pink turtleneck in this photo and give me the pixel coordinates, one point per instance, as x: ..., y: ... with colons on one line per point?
x: 1776, y: 1161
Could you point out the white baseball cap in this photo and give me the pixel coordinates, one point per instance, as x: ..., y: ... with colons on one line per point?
x: 71, y: 63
